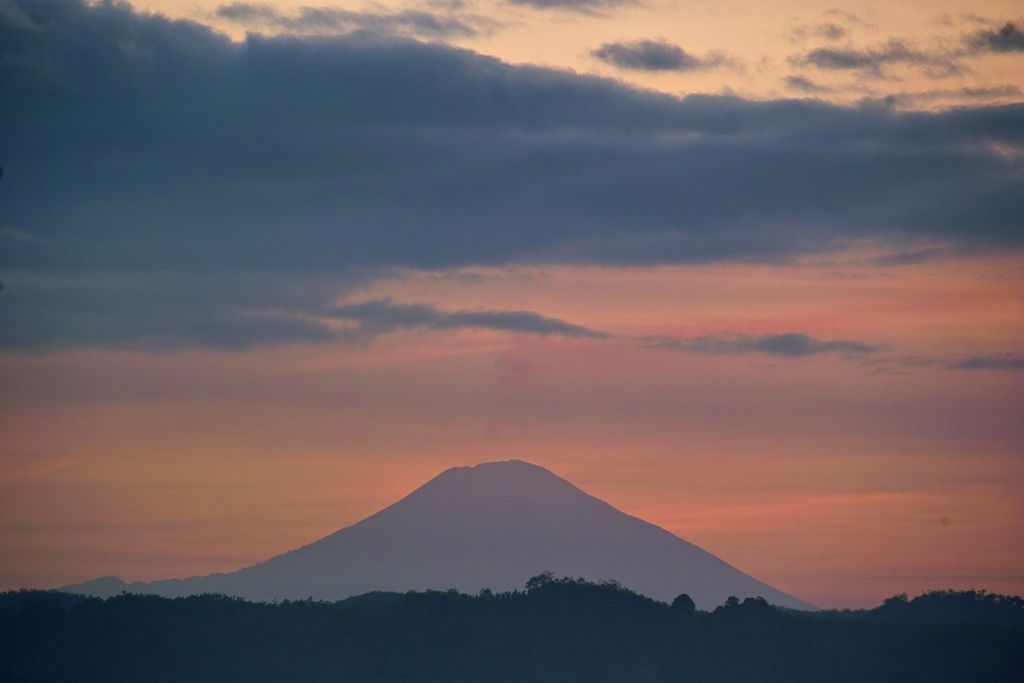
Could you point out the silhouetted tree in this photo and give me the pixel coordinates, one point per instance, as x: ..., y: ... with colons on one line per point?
x: 542, y: 579
x: 683, y: 603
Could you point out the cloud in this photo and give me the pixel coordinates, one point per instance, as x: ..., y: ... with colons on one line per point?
x: 938, y: 62
x: 655, y: 55
x: 827, y: 30
x: 929, y: 97
x: 1002, y: 361
x: 189, y: 152
x: 1008, y: 38
x: 805, y: 85
x: 871, y: 61
x: 850, y: 18
x: 166, y: 311
x: 134, y: 144
x: 582, y: 6
x: 162, y: 311
x: 381, y: 316
x: 787, y: 344
x: 991, y: 91
x: 830, y: 31
x: 228, y: 312
x: 911, y: 256
x: 11, y: 15
x: 329, y: 20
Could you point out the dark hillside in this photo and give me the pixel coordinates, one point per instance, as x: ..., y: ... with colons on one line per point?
x: 558, y: 630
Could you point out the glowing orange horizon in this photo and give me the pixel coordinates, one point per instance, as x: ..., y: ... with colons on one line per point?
x: 818, y: 475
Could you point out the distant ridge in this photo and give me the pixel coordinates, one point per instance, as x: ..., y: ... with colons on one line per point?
x: 494, y: 526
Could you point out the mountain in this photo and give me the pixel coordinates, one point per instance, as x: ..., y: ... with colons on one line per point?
x: 493, y: 526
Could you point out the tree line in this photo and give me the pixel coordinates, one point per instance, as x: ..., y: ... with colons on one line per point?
x: 557, y: 629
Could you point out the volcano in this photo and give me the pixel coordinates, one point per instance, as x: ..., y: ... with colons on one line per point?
x: 493, y: 526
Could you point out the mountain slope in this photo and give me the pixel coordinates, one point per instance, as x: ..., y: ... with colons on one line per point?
x: 490, y: 526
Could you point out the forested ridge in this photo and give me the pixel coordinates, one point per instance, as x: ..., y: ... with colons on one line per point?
x: 557, y: 630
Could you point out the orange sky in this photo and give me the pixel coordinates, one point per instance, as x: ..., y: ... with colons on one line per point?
x: 839, y: 478
x: 760, y: 41
x: 223, y: 339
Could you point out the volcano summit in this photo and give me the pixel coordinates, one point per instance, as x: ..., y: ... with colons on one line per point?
x: 493, y: 526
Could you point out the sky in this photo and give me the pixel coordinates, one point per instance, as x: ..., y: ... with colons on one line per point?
x: 752, y: 273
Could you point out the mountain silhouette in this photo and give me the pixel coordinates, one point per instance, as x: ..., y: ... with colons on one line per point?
x: 492, y: 526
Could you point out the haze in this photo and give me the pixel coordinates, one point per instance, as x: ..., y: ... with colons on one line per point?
x: 758, y: 281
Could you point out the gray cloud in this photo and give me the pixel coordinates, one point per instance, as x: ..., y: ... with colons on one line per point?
x: 655, y: 55
x: 927, y: 97
x: 422, y: 23
x: 937, y: 62
x: 992, y: 91
x: 849, y: 18
x: 228, y: 312
x: 1002, y: 361
x: 787, y: 344
x: 582, y: 6
x: 164, y: 310
x: 1007, y: 38
x: 828, y: 30
x: 134, y: 144
x: 805, y: 85
x: 190, y: 152
x: 871, y: 61
x: 910, y: 256
x: 382, y: 316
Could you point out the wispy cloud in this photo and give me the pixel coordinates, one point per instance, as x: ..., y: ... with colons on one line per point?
x: 849, y: 18
x: 911, y: 256
x: 1005, y: 39
x: 580, y: 6
x: 938, y: 58
x: 1002, y: 361
x: 994, y: 94
x: 658, y: 55
x: 999, y: 361
x: 381, y: 316
x: 424, y: 23
x: 787, y: 344
x: 828, y: 30
x: 871, y: 61
x: 806, y: 85
x: 164, y: 311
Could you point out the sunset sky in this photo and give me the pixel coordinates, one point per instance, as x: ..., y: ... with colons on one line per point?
x: 753, y: 272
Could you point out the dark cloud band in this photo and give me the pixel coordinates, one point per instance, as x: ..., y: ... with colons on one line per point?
x: 134, y: 144
x: 381, y: 316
